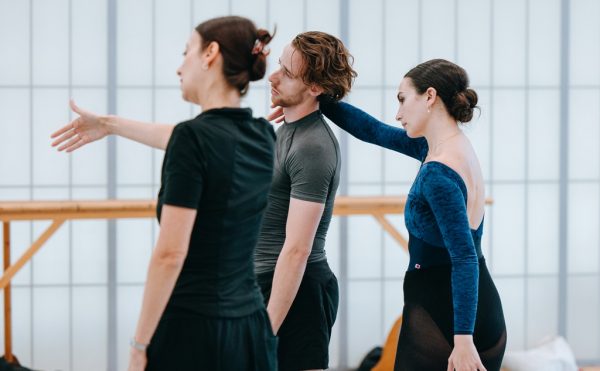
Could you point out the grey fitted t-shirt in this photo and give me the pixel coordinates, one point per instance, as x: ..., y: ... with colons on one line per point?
x: 307, y: 167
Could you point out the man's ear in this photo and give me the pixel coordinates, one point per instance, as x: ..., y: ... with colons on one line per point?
x: 315, y: 90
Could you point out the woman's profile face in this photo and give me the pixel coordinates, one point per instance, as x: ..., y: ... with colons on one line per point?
x: 190, y: 72
x: 412, y: 110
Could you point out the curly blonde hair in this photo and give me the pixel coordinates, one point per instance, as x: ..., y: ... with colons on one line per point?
x: 327, y: 63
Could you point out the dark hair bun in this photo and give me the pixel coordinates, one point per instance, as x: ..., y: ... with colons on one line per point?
x: 463, y: 105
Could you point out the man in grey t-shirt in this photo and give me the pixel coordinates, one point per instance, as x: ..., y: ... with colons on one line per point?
x: 301, y: 291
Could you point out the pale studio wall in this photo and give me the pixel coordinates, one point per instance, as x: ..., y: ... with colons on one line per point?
x: 72, y: 310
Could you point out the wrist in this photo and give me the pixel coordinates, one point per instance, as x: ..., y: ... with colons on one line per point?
x: 463, y: 339
x: 138, y: 346
x: 274, y: 326
x: 109, y: 122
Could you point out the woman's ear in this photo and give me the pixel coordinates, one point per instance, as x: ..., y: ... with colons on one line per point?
x: 211, y: 52
x: 431, y: 94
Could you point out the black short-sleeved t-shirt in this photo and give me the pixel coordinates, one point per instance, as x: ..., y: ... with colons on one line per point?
x: 221, y: 164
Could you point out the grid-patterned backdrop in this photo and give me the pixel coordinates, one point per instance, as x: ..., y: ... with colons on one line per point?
x: 534, y: 63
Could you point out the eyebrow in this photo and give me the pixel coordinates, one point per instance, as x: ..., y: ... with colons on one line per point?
x: 285, y: 68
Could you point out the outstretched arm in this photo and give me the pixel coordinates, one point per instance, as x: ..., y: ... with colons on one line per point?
x: 90, y: 127
x: 367, y: 128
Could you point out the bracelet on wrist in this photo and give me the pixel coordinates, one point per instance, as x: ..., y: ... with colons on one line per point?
x: 136, y: 345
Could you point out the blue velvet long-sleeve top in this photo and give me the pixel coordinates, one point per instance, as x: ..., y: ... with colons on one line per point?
x: 435, y: 213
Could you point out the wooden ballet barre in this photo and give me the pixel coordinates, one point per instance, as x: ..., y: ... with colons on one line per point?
x: 61, y: 211
x: 52, y: 210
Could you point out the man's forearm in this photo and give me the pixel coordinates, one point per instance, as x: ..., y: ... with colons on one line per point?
x: 287, y: 277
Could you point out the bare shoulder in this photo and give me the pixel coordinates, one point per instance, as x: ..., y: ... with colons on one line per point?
x: 463, y: 160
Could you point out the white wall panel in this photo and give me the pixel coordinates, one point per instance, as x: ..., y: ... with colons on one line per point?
x: 14, y: 42
x: 50, y: 42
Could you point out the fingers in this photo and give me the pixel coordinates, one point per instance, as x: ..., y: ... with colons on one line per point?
x: 68, y: 131
x: 271, y: 116
x: 62, y: 130
x: 70, y: 143
x: 478, y: 367
x: 77, y: 145
x: 276, y: 115
x: 66, y: 134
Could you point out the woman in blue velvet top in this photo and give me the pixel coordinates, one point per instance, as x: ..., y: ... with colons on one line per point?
x: 452, y: 317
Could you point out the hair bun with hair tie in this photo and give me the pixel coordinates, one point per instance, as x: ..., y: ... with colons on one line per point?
x: 263, y: 38
x: 260, y: 47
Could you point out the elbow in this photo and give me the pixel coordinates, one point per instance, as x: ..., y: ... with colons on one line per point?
x: 299, y: 252
x: 172, y: 259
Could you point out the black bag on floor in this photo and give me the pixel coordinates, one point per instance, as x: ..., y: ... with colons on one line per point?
x: 15, y: 366
x: 370, y: 359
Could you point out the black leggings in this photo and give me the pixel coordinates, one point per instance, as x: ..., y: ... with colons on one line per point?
x: 427, y: 333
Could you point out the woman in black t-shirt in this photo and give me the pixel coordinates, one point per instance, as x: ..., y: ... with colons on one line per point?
x: 202, y: 308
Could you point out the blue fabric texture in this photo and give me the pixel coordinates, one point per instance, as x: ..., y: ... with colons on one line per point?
x: 435, y: 214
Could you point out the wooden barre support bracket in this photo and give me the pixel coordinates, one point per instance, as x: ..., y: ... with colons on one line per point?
x: 13, y: 269
x: 392, y: 231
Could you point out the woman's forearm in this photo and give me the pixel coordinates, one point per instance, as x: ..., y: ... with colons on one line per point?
x: 151, y: 134
x: 162, y: 276
x: 166, y: 263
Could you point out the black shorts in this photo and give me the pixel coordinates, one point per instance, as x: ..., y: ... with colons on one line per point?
x: 305, y: 333
x: 206, y: 343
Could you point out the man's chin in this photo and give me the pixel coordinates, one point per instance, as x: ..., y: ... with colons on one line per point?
x: 278, y: 102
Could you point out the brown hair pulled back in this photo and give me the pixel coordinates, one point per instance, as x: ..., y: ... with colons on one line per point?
x: 237, y: 38
x: 451, y: 83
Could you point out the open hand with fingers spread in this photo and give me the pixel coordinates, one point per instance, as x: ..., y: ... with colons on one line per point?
x: 87, y: 128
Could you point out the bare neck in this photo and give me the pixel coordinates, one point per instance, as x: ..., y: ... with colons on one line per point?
x: 219, y: 94
x: 295, y: 113
x: 440, y: 129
